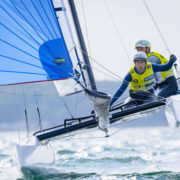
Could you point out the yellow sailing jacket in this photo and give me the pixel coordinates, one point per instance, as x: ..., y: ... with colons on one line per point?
x: 143, y: 81
x: 165, y: 74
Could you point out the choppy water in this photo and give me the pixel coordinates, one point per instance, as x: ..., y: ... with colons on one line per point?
x: 138, y: 153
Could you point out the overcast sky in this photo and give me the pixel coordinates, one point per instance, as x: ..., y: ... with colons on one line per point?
x: 133, y: 23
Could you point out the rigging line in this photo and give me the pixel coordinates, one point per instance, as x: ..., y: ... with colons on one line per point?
x: 99, y: 64
x: 52, y: 103
x: 73, y: 42
x: 76, y: 105
x: 157, y: 27
x: 37, y: 105
x: 105, y: 74
x: 46, y: 113
x: 86, y: 132
x: 68, y: 24
x: 64, y: 100
x: 120, y: 101
x: 87, y: 34
x: 38, y: 95
x: 65, y: 84
x: 67, y: 107
x: 25, y: 111
x: 103, y: 137
x: 10, y: 112
x: 91, y: 137
x: 16, y: 117
x: 121, y: 79
x: 52, y: 8
x: 17, y: 108
x: 122, y: 128
x: 58, y: 25
x: 112, y: 134
x: 50, y: 107
x: 69, y: 28
x: 117, y: 31
x: 43, y: 20
x: 157, y: 99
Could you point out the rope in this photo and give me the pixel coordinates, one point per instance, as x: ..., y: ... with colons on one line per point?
x: 39, y: 114
x: 105, y: 73
x: 26, y: 117
x: 117, y: 31
x: 86, y: 27
x: 100, y: 64
x: 18, y: 124
x: 67, y: 108
x: 160, y: 33
x: 157, y: 27
x: 121, y: 79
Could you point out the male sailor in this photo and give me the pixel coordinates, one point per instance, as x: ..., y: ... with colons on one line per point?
x: 165, y: 80
x: 141, y: 79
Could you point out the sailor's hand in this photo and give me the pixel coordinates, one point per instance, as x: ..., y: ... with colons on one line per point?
x: 92, y: 112
x: 172, y: 58
x: 156, y: 86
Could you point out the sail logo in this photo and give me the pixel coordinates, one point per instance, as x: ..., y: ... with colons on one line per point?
x: 135, y: 81
x: 59, y: 61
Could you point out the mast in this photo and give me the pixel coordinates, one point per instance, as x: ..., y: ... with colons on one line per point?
x: 82, y: 44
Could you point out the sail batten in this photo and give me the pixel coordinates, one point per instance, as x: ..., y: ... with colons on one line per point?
x: 33, y: 47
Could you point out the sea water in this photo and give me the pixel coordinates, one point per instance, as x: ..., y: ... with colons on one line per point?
x: 129, y: 154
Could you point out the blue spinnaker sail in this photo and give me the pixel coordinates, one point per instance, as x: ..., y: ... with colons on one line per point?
x: 32, y: 46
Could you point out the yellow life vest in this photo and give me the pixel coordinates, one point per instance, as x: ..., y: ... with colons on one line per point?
x: 165, y: 74
x: 143, y: 81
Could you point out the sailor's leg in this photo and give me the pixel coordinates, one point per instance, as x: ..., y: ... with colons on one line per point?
x: 149, y: 99
x: 168, y: 88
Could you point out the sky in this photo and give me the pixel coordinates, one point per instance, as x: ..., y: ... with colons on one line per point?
x: 131, y: 22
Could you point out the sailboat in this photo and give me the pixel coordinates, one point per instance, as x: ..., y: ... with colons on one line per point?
x: 40, y: 61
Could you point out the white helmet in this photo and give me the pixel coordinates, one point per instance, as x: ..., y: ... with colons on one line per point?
x: 140, y: 56
x: 143, y: 43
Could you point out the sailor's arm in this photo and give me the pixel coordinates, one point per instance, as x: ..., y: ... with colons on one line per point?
x: 164, y: 67
x: 155, y: 60
x: 124, y: 85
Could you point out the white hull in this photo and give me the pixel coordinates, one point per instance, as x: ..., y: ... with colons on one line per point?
x: 168, y: 115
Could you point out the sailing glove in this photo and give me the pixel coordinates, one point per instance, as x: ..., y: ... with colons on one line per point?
x: 172, y: 58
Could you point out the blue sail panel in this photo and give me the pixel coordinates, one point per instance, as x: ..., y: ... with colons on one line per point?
x: 32, y: 46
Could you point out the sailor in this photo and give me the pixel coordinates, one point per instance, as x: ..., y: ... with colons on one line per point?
x: 141, y: 79
x: 165, y: 80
